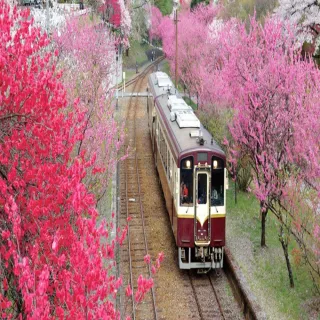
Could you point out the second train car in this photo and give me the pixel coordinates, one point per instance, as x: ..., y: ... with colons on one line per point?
x: 192, y: 171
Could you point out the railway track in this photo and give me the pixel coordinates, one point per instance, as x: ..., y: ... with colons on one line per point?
x: 206, y: 297
x: 142, y: 74
x: 132, y: 213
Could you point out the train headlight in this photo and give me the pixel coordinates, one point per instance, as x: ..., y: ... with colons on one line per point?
x: 215, y: 164
x: 188, y: 164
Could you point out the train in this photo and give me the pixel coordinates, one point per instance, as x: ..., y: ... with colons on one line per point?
x: 192, y: 171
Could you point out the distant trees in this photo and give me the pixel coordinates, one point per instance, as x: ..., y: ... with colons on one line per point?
x: 193, y: 30
x: 194, y: 3
x: 139, y: 29
x: 243, y: 9
x: 165, y: 6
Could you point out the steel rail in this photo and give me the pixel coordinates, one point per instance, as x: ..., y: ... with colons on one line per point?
x: 145, y: 238
x: 216, y: 295
x: 129, y: 245
x: 146, y: 70
x: 196, y: 296
x: 202, y: 317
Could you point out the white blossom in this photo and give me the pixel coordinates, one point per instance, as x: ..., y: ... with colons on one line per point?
x: 56, y: 19
x: 305, y: 14
x: 125, y: 18
x: 215, y: 28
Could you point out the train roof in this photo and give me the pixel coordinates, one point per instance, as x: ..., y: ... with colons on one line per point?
x: 182, y: 124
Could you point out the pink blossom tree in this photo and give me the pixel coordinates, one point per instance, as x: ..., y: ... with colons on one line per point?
x: 87, y: 53
x: 193, y: 35
x: 117, y: 15
x: 275, y: 97
x: 193, y: 29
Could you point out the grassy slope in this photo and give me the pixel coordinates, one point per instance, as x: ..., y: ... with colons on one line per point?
x: 265, y: 269
x: 136, y: 54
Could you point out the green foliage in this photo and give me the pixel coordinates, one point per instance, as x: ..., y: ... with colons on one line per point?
x: 244, y: 174
x: 216, y: 122
x: 196, y: 2
x: 190, y: 103
x: 165, y: 6
x: 243, y: 9
x: 166, y: 68
x: 136, y: 54
x: 265, y: 269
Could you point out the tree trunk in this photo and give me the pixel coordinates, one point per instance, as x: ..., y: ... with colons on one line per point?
x: 284, y: 243
x: 263, y: 213
x: 235, y: 190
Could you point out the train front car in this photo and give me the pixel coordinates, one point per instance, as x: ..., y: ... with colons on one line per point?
x: 202, y: 210
x: 192, y: 172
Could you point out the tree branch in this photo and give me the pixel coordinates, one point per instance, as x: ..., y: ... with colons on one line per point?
x: 12, y: 115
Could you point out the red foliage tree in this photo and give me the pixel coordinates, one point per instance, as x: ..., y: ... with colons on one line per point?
x: 53, y: 263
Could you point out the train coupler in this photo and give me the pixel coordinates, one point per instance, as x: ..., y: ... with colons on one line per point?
x: 203, y: 271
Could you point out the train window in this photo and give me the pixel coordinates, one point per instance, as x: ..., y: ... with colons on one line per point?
x: 202, y: 188
x: 165, y: 156
x: 217, y: 182
x: 186, y: 181
x: 161, y: 144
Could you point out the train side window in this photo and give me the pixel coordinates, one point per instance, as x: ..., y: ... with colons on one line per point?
x: 154, y: 115
x: 186, y: 181
x: 160, y: 145
x: 165, y: 155
x: 169, y: 165
x: 217, y: 182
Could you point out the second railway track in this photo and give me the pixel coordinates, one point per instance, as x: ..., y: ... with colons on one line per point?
x: 132, y: 213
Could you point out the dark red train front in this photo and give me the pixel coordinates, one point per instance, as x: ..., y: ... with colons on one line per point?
x: 201, y: 214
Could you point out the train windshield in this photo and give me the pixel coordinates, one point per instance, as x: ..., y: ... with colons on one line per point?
x: 217, y: 182
x: 186, y: 181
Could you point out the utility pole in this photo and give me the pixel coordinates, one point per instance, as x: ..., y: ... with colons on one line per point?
x: 175, y: 7
x: 117, y: 97
x: 117, y: 77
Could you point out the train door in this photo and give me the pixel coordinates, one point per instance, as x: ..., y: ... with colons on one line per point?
x: 202, y: 207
